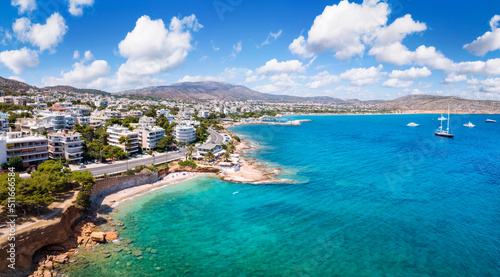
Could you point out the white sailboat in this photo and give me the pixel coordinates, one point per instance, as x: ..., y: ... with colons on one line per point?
x: 444, y: 133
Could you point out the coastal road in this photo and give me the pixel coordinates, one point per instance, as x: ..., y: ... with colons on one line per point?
x: 215, y: 137
x: 122, y: 166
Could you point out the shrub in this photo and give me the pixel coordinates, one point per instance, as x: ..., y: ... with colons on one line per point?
x: 188, y: 163
x: 83, y: 199
x: 129, y: 172
x: 16, y: 162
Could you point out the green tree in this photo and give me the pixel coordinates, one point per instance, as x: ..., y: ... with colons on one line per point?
x: 85, y: 178
x: 191, y: 149
x: 16, y: 162
x: 226, y: 156
x: 83, y: 199
x: 209, y: 156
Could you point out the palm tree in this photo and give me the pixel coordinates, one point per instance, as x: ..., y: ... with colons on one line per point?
x: 209, y: 156
x: 231, y: 148
x: 191, y: 149
x: 226, y: 156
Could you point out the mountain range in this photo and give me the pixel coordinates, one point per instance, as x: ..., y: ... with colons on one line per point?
x: 195, y: 91
x: 209, y: 90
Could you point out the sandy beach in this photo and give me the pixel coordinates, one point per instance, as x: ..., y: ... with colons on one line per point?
x: 112, y: 200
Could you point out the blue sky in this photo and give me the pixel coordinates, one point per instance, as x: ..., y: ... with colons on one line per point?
x: 348, y: 49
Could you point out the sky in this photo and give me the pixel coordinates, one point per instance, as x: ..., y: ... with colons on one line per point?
x: 347, y: 49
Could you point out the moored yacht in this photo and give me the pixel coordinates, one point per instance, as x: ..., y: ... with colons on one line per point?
x: 491, y: 121
x: 470, y: 125
x: 444, y: 133
x: 413, y: 124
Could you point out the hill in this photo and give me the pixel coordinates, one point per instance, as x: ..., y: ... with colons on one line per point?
x: 10, y: 87
x: 439, y: 104
x: 78, y: 90
x: 192, y: 91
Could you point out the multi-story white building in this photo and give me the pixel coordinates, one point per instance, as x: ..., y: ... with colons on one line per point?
x: 32, y: 149
x: 165, y: 113
x: 83, y: 120
x: 146, y: 121
x: 184, y: 133
x: 67, y: 144
x: 204, y: 113
x: 117, y: 131
x: 4, y: 123
x: 150, y: 136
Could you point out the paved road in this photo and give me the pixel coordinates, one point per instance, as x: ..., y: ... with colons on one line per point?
x: 130, y: 164
x: 215, y: 137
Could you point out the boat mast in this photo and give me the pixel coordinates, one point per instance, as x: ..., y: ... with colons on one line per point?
x: 441, y: 119
x: 448, y: 129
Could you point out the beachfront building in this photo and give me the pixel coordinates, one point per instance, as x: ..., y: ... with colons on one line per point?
x: 32, y: 149
x: 116, y: 132
x: 185, y: 133
x: 66, y: 144
x: 232, y: 165
x: 150, y: 136
x: 209, y: 147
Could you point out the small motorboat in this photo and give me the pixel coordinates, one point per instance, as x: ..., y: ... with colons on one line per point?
x: 470, y: 125
x: 413, y: 124
x: 491, y: 121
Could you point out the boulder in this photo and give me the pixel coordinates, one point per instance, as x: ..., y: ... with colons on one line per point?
x: 98, y: 236
x: 61, y: 258
x: 111, y: 236
x: 46, y: 273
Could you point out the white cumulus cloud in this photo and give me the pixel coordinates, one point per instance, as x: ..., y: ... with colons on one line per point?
x: 341, y: 29
x: 19, y: 60
x: 82, y: 75
x: 281, y: 67
x: 24, y: 6
x: 363, y: 76
x: 453, y: 78
x: 412, y: 73
x: 151, y: 48
x: 45, y: 36
x: 396, y: 83
x: 490, y: 41
x: 323, y: 79
x: 76, y: 6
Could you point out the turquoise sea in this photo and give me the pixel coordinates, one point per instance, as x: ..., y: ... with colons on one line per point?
x: 371, y: 197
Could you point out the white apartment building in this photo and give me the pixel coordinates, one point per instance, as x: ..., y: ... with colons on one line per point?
x: 4, y: 123
x: 67, y: 144
x: 146, y: 121
x: 204, y: 113
x: 150, y: 136
x: 184, y: 133
x: 117, y: 131
x: 166, y: 113
x: 32, y: 149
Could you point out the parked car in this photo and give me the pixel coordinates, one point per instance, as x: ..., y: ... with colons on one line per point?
x: 81, y: 166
